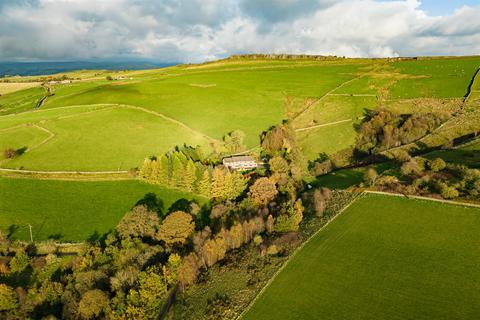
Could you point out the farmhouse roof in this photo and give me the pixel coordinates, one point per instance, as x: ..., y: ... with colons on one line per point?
x: 238, y: 159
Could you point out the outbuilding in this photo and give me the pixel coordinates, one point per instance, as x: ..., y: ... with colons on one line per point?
x: 240, y: 163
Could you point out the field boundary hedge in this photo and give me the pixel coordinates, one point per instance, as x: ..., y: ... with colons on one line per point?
x: 458, y: 203
x: 292, y: 256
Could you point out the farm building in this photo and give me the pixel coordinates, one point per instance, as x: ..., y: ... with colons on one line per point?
x: 240, y: 163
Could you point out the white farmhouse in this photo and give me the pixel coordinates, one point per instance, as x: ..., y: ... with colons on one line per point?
x: 240, y: 163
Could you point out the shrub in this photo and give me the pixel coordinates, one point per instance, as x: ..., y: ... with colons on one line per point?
x: 410, y: 167
x: 272, y: 250
x: 447, y: 192
x: 387, y: 180
x: 8, y: 298
x: 370, y: 177
x: 437, y: 165
x: 93, y: 303
x: 10, y: 153
x: 402, y: 156
x: 257, y: 240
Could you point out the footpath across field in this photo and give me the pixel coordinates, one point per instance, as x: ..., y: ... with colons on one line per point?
x: 384, y: 258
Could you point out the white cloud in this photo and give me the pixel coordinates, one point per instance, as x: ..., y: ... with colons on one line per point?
x: 196, y: 30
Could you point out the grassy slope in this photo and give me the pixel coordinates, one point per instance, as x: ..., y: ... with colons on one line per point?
x: 438, y: 78
x: 21, y: 100
x: 384, y: 258
x: 21, y: 137
x: 217, y: 98
x: 71, y: 210
x: 104, y: 140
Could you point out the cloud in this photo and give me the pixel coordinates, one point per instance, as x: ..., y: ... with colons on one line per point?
x: 198, y: 30
x: 272, y: 11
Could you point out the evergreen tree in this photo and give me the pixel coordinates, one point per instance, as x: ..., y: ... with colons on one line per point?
x: 205, y: 184
x: 155, y: 172
x: 218, y: 183
x: 146, y: 169
x: 164, y: 173
x: 177, y: 170
x: 189, y: 176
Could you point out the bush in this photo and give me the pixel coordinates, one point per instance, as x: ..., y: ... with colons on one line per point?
x: 272, y: 250
x: 446, y: 191
x: 437, y: 165
x: 8, y: 298
x: 109, y: 78
x: 93, y: 303
x: 387, y: 181
x: 10, y: 153
x: 370, y: 176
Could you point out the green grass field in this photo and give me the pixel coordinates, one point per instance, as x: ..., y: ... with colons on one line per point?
x: 189, y: 104
x: 71, y: 210
x: 383, y: 258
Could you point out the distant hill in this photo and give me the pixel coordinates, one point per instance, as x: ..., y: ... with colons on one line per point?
x: 44, y: 68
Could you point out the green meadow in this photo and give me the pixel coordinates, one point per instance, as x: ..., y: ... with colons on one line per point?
x: 71, y: 210
x: 151, y: 111
x: 385, y: 257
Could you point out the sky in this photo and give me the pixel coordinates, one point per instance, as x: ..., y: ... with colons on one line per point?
x: 200, y: 30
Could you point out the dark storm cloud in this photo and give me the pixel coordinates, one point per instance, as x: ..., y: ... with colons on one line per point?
x: 282, y: 10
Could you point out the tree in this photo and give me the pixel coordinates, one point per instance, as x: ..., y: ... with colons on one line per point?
x: 146, y: 170
x: 437, y: 165
x: 140, y: 222
x: 189, y: 176
x: 234, y: 141
x: 370, y: 176
x: 236, y: 185
x: 176, y: 228
x: 280, y: 138
x: 178, y: 160
x: 152, y: 203
x: 280, y: 169
x: 269, y: 225
x: 20, y: 262
x: 146, y: 301
x: 93, y: 304
x: 188, y: 271
x: 290, y: 221
x: 205, y: 184
x: 263, y: 191
x: 410, y: 167
x: 320, y: 196
x: 446, y: 191
x: 8, y: 298
x: 218, y: 183
x: 164, y: 172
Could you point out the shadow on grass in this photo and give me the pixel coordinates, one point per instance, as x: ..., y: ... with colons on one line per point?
x: 470, y: 158
x: 345, y: 178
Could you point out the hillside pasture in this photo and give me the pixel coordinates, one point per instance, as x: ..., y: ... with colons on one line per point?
x: 20, y: 101
x: 71, y: 210
x: 9, y: 87
x: 327, y: 139
x: 112, y: 138
x: 385, y: 257
x: 195, y: 104
x: 220, y: 101
x: 21, y: 138
x: 435, y: 78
